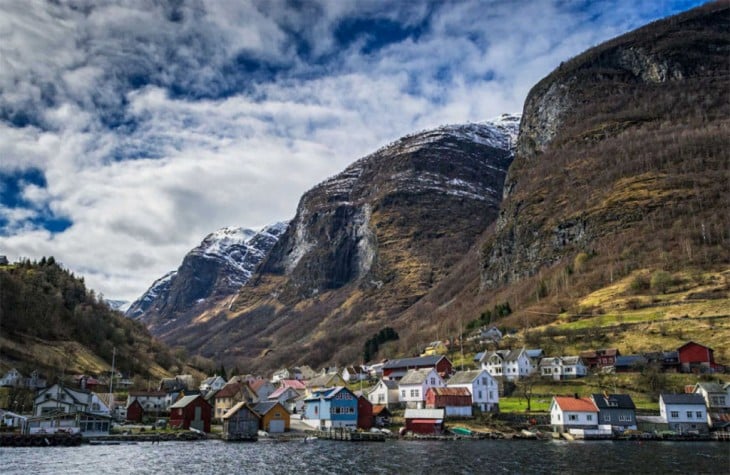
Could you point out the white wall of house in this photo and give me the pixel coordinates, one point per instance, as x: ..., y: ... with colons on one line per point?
x: 568, y: 419
x: 382, y: 395
x: 683, y: 413
x: 415, y: 394
x: 484, y: 391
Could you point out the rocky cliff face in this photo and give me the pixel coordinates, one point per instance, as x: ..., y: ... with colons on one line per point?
x: 214, y: 270
x: 365, y: 245
x: 619, y: 146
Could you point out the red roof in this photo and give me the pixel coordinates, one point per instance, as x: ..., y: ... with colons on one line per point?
x: 378, y: 408
x: 451, y: 391
x: 576, y: 404
x: 293, y: 383
x: 229, y: 390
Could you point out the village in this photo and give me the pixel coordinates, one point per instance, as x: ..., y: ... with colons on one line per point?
x: 424, y: 396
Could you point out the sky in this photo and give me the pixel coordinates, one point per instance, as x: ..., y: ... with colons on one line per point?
x: 131, y: 129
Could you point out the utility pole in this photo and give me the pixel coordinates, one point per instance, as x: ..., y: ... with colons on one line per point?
x: 111, y: 382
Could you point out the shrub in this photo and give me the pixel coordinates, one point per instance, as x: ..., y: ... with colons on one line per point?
x: 661, y: 281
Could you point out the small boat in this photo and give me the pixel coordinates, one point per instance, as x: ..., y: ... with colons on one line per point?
x: 310, y: 438
x: 461, y: 431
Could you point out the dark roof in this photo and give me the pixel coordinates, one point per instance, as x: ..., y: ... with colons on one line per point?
x: 629, y: 360
x: 683, y: 399
x: 613, y: 401
x: 264, y: 407
x: 413, y: 362
x: 229, y: 390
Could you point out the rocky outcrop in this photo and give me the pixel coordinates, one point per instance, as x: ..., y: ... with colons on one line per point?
x: 598, y: 157
x: 214, y: 270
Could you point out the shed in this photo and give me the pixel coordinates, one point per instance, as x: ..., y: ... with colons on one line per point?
x: 455, y: 401
x: 240, y: 422
x: 135, y: 411
x: 191, y: 412
x: 274, y: 417
x: 364, y: 413
x: 425, y: 421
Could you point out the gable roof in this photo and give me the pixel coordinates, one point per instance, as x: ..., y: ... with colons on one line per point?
x: 710, y: 387
x: 380, y: 410
x: 416, y: 376
x: 263, y: 407
x: 451, y: 391
x: 230, y: 412
x: 613, y: 401
x: 185, y: 400
x: 535, y: 353
x: 465, y: 377
x: 282, y: 390
x: 292, y: 383
x: 431, y: 360
x: 257, y: 384
x: 424, y: 414
x: 229, y: 390
x: 692, y: 399
x: 693, y: 343
x: 328, y: 379
x: 575, y: 404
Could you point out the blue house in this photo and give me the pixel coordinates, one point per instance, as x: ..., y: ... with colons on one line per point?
x: 331, y: 407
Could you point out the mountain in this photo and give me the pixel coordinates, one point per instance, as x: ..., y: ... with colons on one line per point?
x: 213, y: 271
x: 50, y: 322
x: 364, y: 246
x: 623, y: 156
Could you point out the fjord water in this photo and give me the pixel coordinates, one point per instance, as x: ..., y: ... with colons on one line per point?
x: 489, y: 456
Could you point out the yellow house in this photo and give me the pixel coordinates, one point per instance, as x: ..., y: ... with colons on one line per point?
x: 274, y: 417
x: 435, y: 348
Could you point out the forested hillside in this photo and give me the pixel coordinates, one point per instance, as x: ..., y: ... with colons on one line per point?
x: 50, y: 321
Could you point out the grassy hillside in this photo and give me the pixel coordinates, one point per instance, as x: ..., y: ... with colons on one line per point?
x: 51, y: 322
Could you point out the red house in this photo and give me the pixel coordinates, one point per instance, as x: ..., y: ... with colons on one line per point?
x: 191, y: 412
x: 696, y: 357
x: 455, y: 401
x: 364, y: 413
x: 135, y: 411
x: 424, y: 421
x: 600, y: 358
x: 396, y: 369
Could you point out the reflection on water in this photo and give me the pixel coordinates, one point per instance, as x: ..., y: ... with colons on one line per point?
x: 493, y: 456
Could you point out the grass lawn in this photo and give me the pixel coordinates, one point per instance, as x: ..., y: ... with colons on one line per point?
x: 519, y: 404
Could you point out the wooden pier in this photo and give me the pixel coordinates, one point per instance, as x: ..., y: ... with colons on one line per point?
x: 348, y: 435
x: 40, y: 440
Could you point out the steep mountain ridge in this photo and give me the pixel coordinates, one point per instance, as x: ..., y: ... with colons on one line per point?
x: 623, y: 153
x: 212, y: 271
x: 364, y: 245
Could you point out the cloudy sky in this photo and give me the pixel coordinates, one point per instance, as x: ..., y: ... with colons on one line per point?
x: 130, y: 129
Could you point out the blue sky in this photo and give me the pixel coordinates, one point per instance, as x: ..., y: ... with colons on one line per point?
x: 131, y: 129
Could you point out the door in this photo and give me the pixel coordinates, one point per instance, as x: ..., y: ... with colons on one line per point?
x: 197, y: 422
x: 276, y: 426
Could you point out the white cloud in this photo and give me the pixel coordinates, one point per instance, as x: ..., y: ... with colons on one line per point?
x: 150, y: 138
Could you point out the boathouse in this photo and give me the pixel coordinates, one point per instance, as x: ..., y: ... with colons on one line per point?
x: 365, y: 418
x: 424, y: 421
x: 191, y: 412
x: 240, y: 422
x: 455, y: 401
x: 274, y: 417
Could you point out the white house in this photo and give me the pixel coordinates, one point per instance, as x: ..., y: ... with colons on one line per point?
x: 58, y: 398
x: 684, y: 412
x: 509, y: 364
x: 413, y: 386
x: 717, y: 401
x: 482, y: 386
x: 153, y: 402
x: 214, y: 383
x: 562, y: 367
x: 14, y: 378
x: 384, y: 393
x: 353, y: 374
x: 573, y: 413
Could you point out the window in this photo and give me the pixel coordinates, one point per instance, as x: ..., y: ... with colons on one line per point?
x: 607, y: 418
x: 479, y: 394
x: 491, y: 395
x: 484, y: 381
x: 433, y: 381
x: 689, y: 414
x: 674, y: 414
x: 381, y: 398
x: 403, y: 393
x: 414, y: 392
x: 698, y: 414
x: 568, y: 370
x: 589, y: 417
x: 572, y: 417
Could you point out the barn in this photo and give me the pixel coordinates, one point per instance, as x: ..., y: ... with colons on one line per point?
x: 455, y: 401
x: 424, y: 421
x: 191, y: 412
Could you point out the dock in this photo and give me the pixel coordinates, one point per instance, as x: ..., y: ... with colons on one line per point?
x: 40, y: 440
x: 348, y: 435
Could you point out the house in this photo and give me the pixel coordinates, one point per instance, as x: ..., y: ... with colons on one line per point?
x: 483, y: 387
x: 100, y: 403
x: 85, y: 381
x: 230, y: 395
x: 602, y: 358
x: 684, y: 412
x: 413, y: 386
x: 181, y: 382
x: 59, y: 398
x: 4, y: 260
x: 424, y: 421
x: 292, y: 383
x: 13, y: 378
x: 381, y: 415
x: 153, y: 402
x: 535, y: 355
x: 629, y: 363
x: 490, y: 334
x: 262, y: 388
x: 573, y: 413
x: 616, y: 410
x: 696, y: 358
x: 135, y: 411
x: 288, y: 397
x: 353, y: 374
x: 509, y: 364
x: 396, y: 369
x: 241, y: 422
x: 668, y: 361
x: 365, y: 419
x: 84, y: 423
x: 191, y: 412
x: 326, y: 380
x: 13, y: 420
x: 454, y: 401
x: 384, y: 393
x: 214, y: 383
x: 562, y: 367
x: 274, y: 417
x: 306, y: 372
x: 717, y: 401
x: 435, y: 348
x: 331, y: 407
x: 376, y: 370
x: 283, y: 373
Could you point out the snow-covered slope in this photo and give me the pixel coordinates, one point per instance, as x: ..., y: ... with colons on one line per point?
x: 217, y: 268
